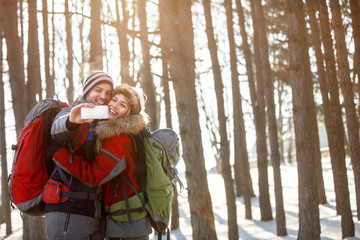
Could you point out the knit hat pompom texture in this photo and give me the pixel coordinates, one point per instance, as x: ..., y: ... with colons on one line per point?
x: 96, y: 77
x: 135, y: 96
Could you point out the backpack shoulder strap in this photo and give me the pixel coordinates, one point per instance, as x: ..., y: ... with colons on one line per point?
x: 50, y: 146
x: 125, y: 180
x: 138, y: 144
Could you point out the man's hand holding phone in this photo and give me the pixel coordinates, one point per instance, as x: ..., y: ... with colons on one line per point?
x: 86, y: 113
x: 96, y: 112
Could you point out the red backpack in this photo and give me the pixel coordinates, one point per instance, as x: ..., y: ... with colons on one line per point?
x: 32, y: 163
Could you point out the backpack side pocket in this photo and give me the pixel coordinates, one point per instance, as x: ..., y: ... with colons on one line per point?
x: 53, y: 190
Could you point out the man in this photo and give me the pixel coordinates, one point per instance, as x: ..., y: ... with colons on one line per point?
x: 76, y: 211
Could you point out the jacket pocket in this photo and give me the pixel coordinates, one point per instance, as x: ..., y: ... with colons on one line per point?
x: 53, y: 190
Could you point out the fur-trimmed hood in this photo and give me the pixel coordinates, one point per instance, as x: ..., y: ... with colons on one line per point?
x: 131, y: 124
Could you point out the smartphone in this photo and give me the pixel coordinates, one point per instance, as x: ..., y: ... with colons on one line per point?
x: 97, y: 112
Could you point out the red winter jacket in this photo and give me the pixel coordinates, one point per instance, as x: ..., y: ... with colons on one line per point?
x: 115, y: 155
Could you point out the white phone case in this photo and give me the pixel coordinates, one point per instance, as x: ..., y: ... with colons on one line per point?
x: 98, y: 112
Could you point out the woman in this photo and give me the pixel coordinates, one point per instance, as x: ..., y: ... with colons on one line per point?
x: 115, y: 155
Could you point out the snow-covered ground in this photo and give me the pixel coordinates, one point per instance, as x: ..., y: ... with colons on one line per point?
x: 254, y: 229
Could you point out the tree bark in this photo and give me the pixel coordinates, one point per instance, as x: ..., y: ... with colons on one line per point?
x: 239, y: 127
x: 281, y: 92
x: 318, y: 165
x: 261, y: 146
x: 166, y: 89
x: 175, y: 224
x: 50, y: 86
x: 123, y: 43
x: 5, y: 207
x: 17, y: 83
x: 271, y: 115
x: 175, y: 215
x: 33, y: 84
x: 241, y: 166
x: 69, y: 47
x: 355, y: 18
x: 96, y: 50
x: 53, y: 42
x: 81, y: 39
x: 351, y: 117
x: 147, y: 82
x: 324, y: 91
x: 21, y: 18
x: 250, y: 75
x: 178, y: 40
x: 15, y: 61
x: 242, y: 177
x: 35, y: 227
x: 303, y: 104
x: 338, y: 149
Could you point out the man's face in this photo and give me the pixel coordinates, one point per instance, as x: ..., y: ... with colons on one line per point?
x: 100, y: 94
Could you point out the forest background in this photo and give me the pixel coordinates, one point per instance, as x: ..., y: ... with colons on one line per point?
x: 246, y: 79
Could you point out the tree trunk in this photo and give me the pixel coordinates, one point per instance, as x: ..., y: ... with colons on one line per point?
x: 5, y: 207
x: 147, y: 82
x: 53, y: 42
x: 17, y: 84
x: 272, y: 125
x: 69, y: 47
x: 35, y: 227
x: 2, y: 132
x: 303, y: 102
x: 21, y: 18
x: 261, y: 147
x: 281, y: 92
x: 123, y: 43
x: 50, y: 86
x: 175, y: 215
x: 351, y: 117
x: 241, y: 165
x: 15, y: 61
x: 291, y: 142
x: 239, y: 127
x: 175, y: 224
x: 250, y: 74
x: 243, y: 181
x: 96, y: 50
x: 324, y: 91
x: 82, y: 47
x: 338, y: 149
x: 178, y: 37
x: 33, y: 84
x: 166, y: 89
x: 355, y: 18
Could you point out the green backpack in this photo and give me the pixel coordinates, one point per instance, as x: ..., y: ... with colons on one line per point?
x: 161, y: 149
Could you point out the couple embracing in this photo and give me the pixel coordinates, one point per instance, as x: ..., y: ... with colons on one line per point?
x: 94, y: 153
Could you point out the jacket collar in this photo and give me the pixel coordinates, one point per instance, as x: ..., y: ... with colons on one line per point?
x: 131, y: 124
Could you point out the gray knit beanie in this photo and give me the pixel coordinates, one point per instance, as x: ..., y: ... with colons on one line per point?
x: 96, y: 77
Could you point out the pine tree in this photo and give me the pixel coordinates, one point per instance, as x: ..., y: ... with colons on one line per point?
x: 303, y: 113
x: 178, y: 44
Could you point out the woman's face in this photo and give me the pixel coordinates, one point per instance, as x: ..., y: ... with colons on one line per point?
x: 118, y: 106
